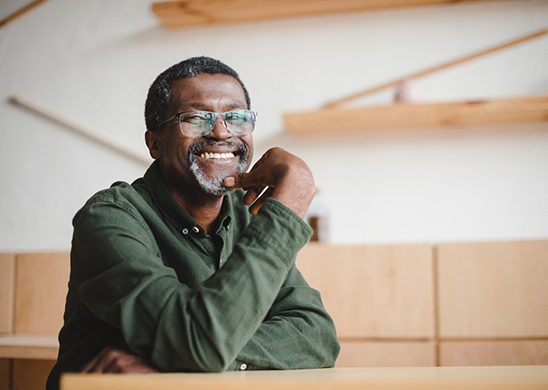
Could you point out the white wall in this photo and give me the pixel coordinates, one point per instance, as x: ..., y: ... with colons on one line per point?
x: 92, y: 61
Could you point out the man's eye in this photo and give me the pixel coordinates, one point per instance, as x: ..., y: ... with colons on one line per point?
x: 236, y: 116
x: 194, y: 119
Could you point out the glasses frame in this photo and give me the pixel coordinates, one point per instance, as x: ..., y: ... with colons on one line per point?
x: 216, y: 116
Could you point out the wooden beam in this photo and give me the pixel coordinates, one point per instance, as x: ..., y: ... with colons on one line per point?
x: 20, y: 12
x: 403, y: 116
x: 111, y: 144
x: 184, y: 13
x: 436, y: 68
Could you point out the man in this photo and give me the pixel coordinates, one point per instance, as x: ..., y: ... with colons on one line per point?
x: 184, y: 271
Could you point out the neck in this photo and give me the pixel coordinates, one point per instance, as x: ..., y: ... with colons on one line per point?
x: 202, y: 207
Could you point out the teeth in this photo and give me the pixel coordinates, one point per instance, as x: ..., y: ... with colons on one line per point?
x: 217, y: 155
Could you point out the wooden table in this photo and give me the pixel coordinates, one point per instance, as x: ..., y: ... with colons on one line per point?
x: 504, y: 377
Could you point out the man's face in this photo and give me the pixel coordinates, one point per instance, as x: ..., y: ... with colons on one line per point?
x: 201, y: 163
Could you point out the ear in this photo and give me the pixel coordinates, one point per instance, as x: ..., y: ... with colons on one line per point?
x: 153, y: 143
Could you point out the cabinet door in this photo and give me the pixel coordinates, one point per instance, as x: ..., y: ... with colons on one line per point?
x: 373, y: 291
x: 30, y: 374
x: 494, y: 353
x: 493, y: 289
x: 7, y: 282
x: 386, y: 354
x: 41, y: 289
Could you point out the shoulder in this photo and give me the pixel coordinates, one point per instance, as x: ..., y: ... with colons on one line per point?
x: 119, y: 196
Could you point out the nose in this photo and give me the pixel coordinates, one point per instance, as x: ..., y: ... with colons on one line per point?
x: 220, y: 131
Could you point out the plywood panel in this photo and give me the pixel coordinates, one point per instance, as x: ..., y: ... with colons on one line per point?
x: 5, y: 369
x: 494, y: 353
x: 7, y: 280
x: 41, y: 288
x: 31, y: 374
x: 373, y: 291
x: 494, y: 289
x: 386, y: 354
x: 417, y: 115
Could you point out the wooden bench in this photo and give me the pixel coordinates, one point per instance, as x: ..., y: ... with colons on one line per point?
x: 394, y: 305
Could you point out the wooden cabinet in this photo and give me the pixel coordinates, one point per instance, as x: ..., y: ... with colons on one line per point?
x: 393, y: 305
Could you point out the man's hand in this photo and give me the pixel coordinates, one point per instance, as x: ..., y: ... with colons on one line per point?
x: 113, y: 360
x: 285, y: 177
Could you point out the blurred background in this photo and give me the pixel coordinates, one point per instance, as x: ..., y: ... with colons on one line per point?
x: 433, y: 239
x: 91, y: 62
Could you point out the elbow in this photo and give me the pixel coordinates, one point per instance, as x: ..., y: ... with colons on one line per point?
x: 332, y: 348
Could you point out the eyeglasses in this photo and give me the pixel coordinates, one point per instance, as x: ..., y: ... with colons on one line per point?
x: 201, y: 123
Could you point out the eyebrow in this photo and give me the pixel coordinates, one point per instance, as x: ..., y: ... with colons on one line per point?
x: 203, y: 106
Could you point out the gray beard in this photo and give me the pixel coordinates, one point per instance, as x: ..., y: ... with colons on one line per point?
x: 214, y: 185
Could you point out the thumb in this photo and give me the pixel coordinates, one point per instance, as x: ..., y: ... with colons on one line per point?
x: 236, y: 181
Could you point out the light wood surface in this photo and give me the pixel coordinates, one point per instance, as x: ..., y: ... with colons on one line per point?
x: 414, y: 115
x: 29, y: 347
x: 493, y: 289
x: 40, y: 302
x: 7, y: 280
x: 373, y: 291
x: 30, y: 374
x: 384, y: 353
x: 186, y: 13
x: 481, y: 353
x: 517, y: 377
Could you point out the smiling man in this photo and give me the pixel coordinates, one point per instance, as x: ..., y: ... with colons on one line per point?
x: 191, y: 268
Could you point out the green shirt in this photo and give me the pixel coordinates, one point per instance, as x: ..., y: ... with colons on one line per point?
x: 146, y: 278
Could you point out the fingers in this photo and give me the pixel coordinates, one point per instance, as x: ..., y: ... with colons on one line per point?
x: 113, y: 360
x: 90, y: 366
x: 243, y: 180
x: 102, y: 360
x: 249, y: 179
x: 256, y: 207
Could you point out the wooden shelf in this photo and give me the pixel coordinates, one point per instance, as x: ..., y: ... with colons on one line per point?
x: 412, y: 115
x: 29, y: 347
x: 184, y: 13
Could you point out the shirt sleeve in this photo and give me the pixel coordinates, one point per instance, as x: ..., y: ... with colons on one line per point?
x: 297, y: 333
x: 122, y: 280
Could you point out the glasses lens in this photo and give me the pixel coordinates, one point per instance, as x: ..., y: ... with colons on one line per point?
x: 201, y: 123
x: 240, y: 121
x: 197, y: 123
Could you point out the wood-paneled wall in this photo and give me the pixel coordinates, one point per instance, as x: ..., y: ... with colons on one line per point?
x: 393, y: 305
x: 448, y: 304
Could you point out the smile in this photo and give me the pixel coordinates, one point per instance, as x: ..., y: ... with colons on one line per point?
x: 208, y: 155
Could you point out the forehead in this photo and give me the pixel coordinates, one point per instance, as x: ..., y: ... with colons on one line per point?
x: 214, y: 90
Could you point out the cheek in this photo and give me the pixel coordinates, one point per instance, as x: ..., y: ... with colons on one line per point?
x: 249, y: 142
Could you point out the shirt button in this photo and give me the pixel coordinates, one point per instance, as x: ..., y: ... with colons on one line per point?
x: 243, y: 367
x: 195, y: 229
x: 185, y: 231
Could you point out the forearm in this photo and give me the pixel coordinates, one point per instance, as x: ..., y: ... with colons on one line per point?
x: 298, y: 333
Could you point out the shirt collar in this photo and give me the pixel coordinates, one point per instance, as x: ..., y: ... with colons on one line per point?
x: 178, y: 216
